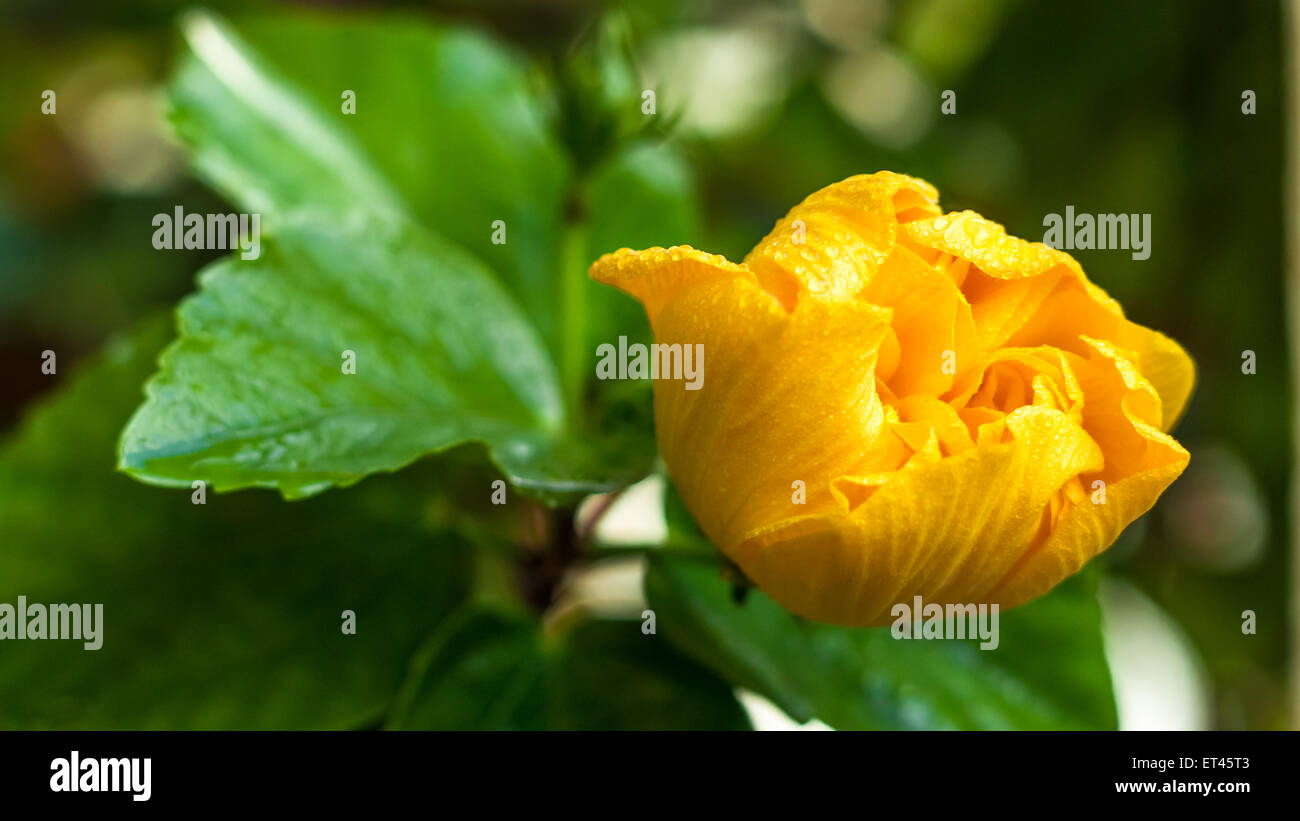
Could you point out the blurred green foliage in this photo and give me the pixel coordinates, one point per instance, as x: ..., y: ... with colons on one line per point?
x: 1048, y: 674
x: 215, y: 615
x: 474, y: 111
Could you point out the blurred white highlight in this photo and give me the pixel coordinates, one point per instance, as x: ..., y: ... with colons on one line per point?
x: 1160, y: 682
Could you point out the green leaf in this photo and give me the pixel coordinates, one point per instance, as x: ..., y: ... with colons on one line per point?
x: 448, y: 128
x: 492, y: 670
x: 1048, y: 672
x: 255, y: 393
x: 215, y: 616
x: 484, y: 670
x: 609, y: 676
x: 255, y: 137
x: 683, y: 532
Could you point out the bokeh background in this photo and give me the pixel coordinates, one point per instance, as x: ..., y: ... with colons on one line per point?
x: 1109, y: 106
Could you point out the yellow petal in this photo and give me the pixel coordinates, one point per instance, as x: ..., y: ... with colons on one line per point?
x: 983, y: 242
x: 1012, y: 377
x: 1140, y: 462
x: 1027, y: 294
x: 834, y: 241
x: 656, y: 275
x: 786, y: 397
x: 1000, y: 307
x: 1077, y: 309
x: 931, y: 322
x: 950, y: 432
x: 948, y: 531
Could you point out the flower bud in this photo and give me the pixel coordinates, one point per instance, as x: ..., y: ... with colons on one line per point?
x: 900, y: 402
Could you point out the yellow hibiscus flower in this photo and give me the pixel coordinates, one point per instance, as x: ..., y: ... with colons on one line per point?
x: 899, y: 402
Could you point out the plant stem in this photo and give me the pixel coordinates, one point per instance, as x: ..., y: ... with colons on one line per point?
x: 542, y: 571
x: 1291, y: 185
x: 573, y: 313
